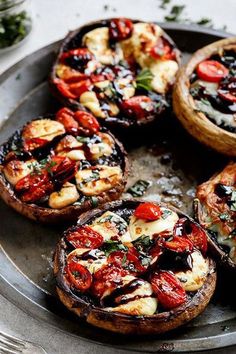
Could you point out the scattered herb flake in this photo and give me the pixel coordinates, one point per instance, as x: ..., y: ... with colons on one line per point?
x: 224, y: 217
x: 139, y: 188
x: 166, y: 213
x: 175, y: 13
x: 144, y: 80
x: 112, y: 246
x: 164, y: 3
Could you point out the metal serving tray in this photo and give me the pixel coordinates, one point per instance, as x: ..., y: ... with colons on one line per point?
x: 167, y: 156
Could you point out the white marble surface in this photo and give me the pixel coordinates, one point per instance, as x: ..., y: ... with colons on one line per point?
x: 52, y: 20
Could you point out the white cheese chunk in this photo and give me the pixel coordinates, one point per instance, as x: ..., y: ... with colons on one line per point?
x: 97, y: 41
x: 104, y: 148
x: 70, y: 147
x: 109, y: 225
x: 138, y: 302
x: 43, y: 128
x: 89, y: 100
x: 67, y: 195
x: 139, y: 227
x: 15, y: 170
x: 96, y: 181
x: 193, y: 279
x: 164, y: 72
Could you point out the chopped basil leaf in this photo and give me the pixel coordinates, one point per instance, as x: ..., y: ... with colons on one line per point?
x: 224, y: 217
x: 112, y: 246
x: 94, y: 201
x: 144, y: 80
x: 175, y: 13
x: 121, y: 226
x: 139, y: 188
x: 164, y: 3
x: 143, y: 243
x: 83, y: 139
x: 166, y: 213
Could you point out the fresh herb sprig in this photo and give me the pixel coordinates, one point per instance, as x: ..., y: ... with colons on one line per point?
x: 139, y: 188
x: 144, y: 80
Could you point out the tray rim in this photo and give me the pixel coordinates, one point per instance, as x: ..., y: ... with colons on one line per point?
x: 8, y: 290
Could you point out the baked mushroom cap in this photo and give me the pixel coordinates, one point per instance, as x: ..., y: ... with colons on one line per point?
x: 126, y: 85
x: 96, y: 304
x: 59, y: 167
x: 215, y: 210
x: 194, y: 120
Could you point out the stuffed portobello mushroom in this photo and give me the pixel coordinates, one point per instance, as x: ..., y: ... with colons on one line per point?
x: 120, y: 70
x: 215, y: 209
x: 56, y: 168
x: 134, y: 267
x: 205, y: 96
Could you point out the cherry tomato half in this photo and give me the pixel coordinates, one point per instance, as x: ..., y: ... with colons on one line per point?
x: 138, y: 107
x: 148, y: 211
x: 62, y: 169
x: 34, y: 143
x: 178, y: 244
x: 78, y: 275
x: 77, y: 58
x: 87, y: 121
x: 120, y: 29
x: 78, y: 88
x: 227, y: 90
x: 84, y: 237
x: 107, y: 279
x: 211, y: 70
x: 34, y: 187
x: 168, y: 289
x: 64, y: 89
x: 192, y: 232
x: 66, y: 117
x: 162, y: 50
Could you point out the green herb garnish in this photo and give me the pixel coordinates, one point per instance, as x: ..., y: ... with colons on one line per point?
x: 83, y: 139
x: 224, y: 217
x: 139, y: 188
x: 94, y: 201
x: 144, y: 80
x: 143, y: 243
x: 13, y: 29
x: 164, y: 3
x: 175, y: 13
x: 205, y: 21
x: 166, y: 213
x: 112, y: 246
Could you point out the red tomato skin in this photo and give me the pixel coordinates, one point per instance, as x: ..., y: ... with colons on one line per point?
x: 196, y: 235
x: 162, y: 50
x: 168, y: 290
x: 211, y: 70
x: 85, y: 280
x: 148, y: 211
x: 63, y: 170
x: 227, y: 96
x: 178, y: 244
x: 108, y: 278
x: 84, y: 237
x: 82, y: 53
x: 66, y: 117
x: 34, y: 143
x: 78, y: 88
x: 87, y: 121
x: 64, y: 89
x: 133, y: 107
x: 120, y: 29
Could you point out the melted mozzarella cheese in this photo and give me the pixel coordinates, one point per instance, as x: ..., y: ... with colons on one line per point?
x: 97, y: 41
x: 15, y: 170
x: 164, y: 72
x: 93, y: 265
x: 104, y: 148
x: 138, y: 302
x: 67, y: 195
x: 96, y: 181
x: 193, y: 279
x: 70, y: 147
x: 43, y: 128
x: 109, y: 225
x: 139, y: 227
x: 89, y: 100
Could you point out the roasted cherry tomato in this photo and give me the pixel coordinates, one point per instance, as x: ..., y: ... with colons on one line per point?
x: 65, y: 116
x: 156, y: 251
x: 178, y: 244
x: 78, y: 88
x: 78, y: 275
x: 148, y: 211
x: 128, y: 260
x: 193, y: 232
x: 34, y: 187
x: 64, y: 89
x: 87, y: 121
x: 77, y: 58
x: 211, y: 70
x: 227, y: 90
x: 107, y: 279
x: 162, y: 50
x: 120, y: 29
x: 168, y: 290
x: 62, y: 169
x: 34, y: 143
x: 84, y: 237
x: 70, y: 75
x: 138, y: 107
